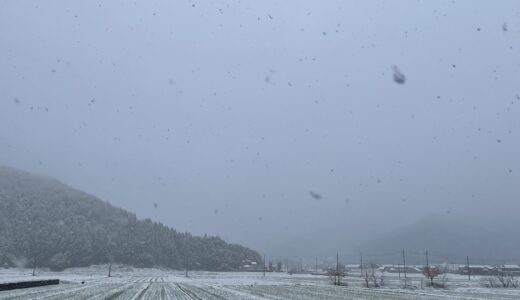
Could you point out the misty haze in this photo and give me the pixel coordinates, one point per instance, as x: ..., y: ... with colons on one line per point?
x: 259, y: 149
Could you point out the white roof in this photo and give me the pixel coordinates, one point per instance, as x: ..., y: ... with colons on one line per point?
x: 478, y: 266
x: 510, y: 266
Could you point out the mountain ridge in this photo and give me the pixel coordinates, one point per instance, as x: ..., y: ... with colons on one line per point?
x: 447, y: 239
x: 47, y: 223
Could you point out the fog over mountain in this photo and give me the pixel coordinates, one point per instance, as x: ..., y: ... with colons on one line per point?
x: 294, y: 128
x: 447, y: 239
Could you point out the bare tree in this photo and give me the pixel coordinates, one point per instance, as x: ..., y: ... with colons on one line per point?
x: 444, y: 277
x: 371, y: 277
x: 431, y: 273
x: 366, y: 277
x: 501, y: 280
x: 507, y: 279
x: 335, y: 274
x: 382, y: 278
x: 407, y: 283
x: 514, y: 282
x: 490, y: 282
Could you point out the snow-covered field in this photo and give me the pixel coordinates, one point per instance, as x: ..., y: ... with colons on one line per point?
x: 129, y: 283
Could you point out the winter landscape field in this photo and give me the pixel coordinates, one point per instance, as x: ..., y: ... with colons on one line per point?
x: 340, y: 149
x: 129, y: 283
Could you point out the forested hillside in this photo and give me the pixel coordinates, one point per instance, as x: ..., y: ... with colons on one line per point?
x: 47, y: 223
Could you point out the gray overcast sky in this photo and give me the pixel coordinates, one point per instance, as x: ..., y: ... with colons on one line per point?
x: 227, y: 114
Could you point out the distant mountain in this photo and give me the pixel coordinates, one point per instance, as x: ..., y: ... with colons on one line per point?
x: 47, y: 223
x: 449, y: 239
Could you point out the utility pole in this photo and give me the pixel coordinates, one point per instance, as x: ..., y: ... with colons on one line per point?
x: 337, y: 262
x: 264, y: 265
x: 467, y: 266
x: 361, y: 264
x: 428, y: 270
x: 404, y: 265
x: 427, y: 264
x: 336, y: 281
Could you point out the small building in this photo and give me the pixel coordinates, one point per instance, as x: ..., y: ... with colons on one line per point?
x: 509, y: 269
x: 251, y: 266
x: 352, y: 266
x: 400, y: 269
x: 476, y: 270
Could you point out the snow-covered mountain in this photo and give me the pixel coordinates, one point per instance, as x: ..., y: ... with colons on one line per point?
x: 47, y: 223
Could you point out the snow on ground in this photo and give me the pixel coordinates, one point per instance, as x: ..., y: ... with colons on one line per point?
x: 130, y: 283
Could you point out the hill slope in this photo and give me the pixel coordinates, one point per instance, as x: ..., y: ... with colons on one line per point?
x: 47, y: 223
x: 448, y: 239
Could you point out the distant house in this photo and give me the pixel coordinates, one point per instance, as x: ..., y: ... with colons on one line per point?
x: 352, y: 266
x: 251, y: 266
x: 476, y: 270
x: 400, y: 269
x: 509, y: 269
